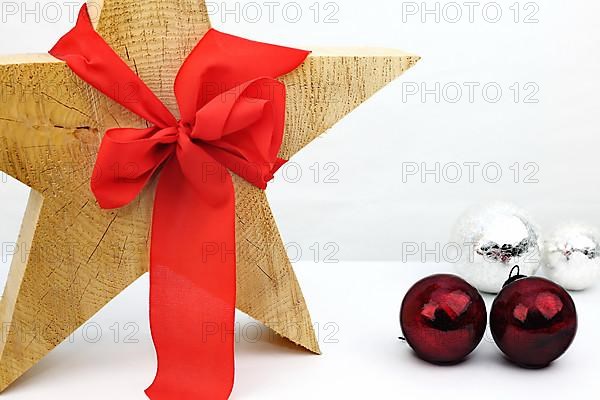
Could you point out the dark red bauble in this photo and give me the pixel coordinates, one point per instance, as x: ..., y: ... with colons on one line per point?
x: 533, y: 321
x: 443, y: 318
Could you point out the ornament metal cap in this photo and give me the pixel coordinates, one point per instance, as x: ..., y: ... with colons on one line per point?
x: 514, y: 277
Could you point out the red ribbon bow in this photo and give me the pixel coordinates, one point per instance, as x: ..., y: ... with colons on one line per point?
x: 232, y: 117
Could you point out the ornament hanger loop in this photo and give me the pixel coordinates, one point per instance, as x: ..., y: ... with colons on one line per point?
x: 512, y: 272
x: 515, y: 274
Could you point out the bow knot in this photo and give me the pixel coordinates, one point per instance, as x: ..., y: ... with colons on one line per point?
x: 170, y: 134
x: 183, y: 128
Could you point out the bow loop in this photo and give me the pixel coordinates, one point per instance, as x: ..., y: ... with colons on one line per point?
x: 243, y: 129
x: 232, y: 111
x: 250, y: 129
x: 127, y: 160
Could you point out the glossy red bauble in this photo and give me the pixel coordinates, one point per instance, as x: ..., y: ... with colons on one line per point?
x: 443, y: 318
x: 533, y: 321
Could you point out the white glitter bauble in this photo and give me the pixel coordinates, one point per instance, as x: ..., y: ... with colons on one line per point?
x: 572, y: 256
x: 492, y: 239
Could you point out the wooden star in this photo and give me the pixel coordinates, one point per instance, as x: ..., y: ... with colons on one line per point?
x: 74, y: 257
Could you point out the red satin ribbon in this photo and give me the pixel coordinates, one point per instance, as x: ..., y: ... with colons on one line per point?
x: 232, y: 118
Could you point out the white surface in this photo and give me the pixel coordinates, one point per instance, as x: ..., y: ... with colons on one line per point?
x: 362, y: 360
x: 370, y: 211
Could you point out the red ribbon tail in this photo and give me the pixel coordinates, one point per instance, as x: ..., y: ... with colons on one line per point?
x: 192, y: 290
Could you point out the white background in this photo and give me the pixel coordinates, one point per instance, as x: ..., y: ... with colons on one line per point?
x: 370, y: 210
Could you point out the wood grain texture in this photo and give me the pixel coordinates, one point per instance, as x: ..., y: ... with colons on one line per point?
x: 73, y: 257
x: 329, y: 85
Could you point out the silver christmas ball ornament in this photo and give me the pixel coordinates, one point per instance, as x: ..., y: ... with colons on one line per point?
x: 492, y: 239
x: 572, y: 256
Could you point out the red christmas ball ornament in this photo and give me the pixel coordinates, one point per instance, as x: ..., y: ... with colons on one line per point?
x: 443, y: 319
x: 533, y: 321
